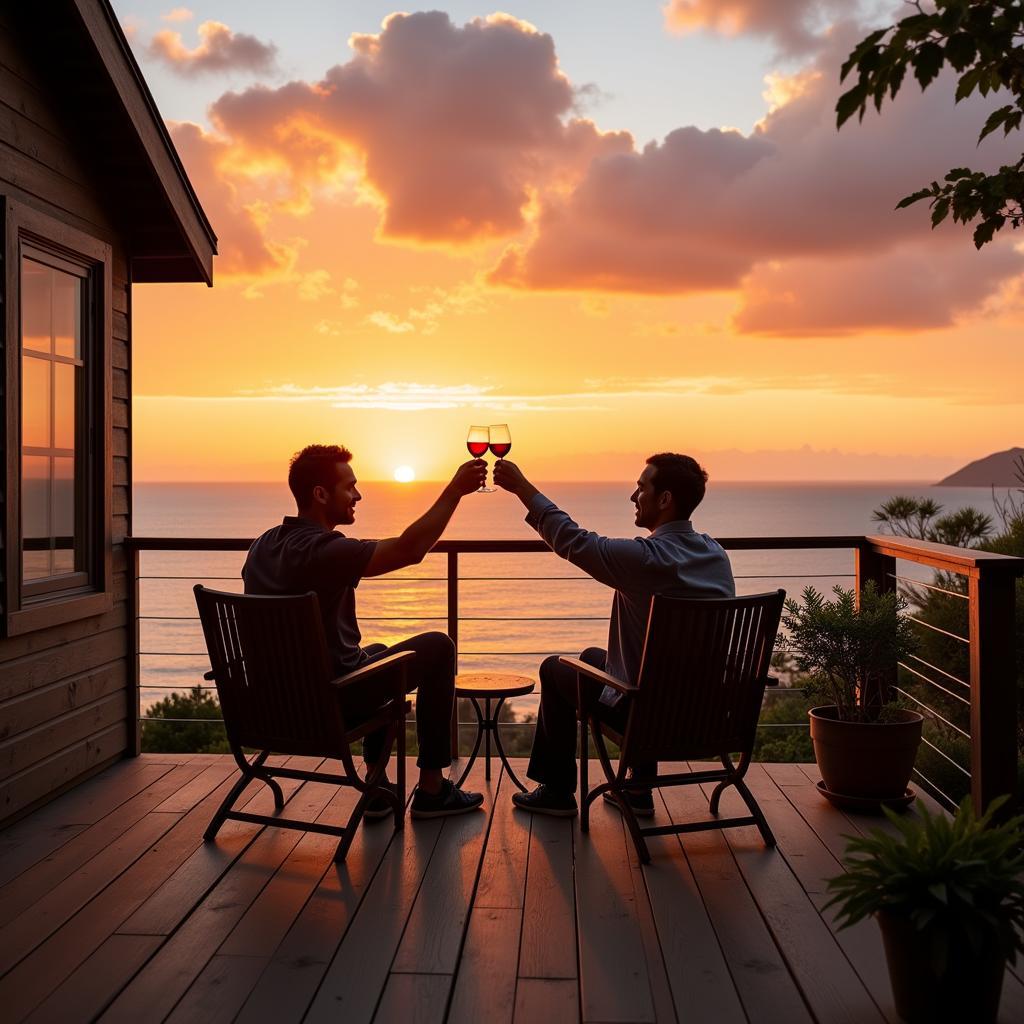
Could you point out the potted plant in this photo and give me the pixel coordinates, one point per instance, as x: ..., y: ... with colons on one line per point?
x: 864, y: 741
x: 948, y: 895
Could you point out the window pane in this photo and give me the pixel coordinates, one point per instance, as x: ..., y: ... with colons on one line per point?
x: 67, y: 318
x: 35, y: 398
x: 35, y: 520
x: 35, y: 305
x: 64, y: 405
x: 62, y: 495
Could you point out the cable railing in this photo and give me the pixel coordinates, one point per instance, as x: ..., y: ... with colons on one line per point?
x: 969, y: 741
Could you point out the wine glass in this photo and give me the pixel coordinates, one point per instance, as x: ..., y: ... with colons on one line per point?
x: 477, y: 441
x: 501, y: 440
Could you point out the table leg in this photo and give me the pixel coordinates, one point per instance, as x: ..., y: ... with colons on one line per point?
x: 501, y: 749
x: 480, y: 728
x: 488, y: 726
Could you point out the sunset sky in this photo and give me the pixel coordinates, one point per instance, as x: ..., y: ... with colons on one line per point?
x: 618, y: 227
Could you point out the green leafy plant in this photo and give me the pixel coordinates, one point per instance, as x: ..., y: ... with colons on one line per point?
x: 849, y: 652
x: 185, y: 723
x: 959, y: 880
x: 981, y: 41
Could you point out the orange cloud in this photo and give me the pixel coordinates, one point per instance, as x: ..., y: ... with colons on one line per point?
x: 457, y: 128
x: 707, y: 210
x: 242, y: 246
x: 795, y: 25
x: 219, y: 49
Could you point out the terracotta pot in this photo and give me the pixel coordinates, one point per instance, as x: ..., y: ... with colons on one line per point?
x: 869, y: 760
x: 968, y: 990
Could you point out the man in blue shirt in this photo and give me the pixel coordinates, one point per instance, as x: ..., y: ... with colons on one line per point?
x: 674, y: 561
x: 306, y: 553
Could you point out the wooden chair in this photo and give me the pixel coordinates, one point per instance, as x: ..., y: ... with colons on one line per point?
x: 270, y: 663
x: 698, y: 696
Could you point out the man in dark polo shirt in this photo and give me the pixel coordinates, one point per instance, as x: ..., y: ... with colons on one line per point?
x: 306, y: 553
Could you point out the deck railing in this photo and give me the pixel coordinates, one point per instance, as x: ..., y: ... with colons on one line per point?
x: 985, y: 582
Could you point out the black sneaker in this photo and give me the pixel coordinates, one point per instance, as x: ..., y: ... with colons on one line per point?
x: 448, y: 800
x: 642, y: 802
x: 378, y: 806
x: 545, y: 801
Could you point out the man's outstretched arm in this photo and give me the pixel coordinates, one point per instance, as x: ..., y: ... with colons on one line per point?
x: 615, y: 562
x: 419, y: 537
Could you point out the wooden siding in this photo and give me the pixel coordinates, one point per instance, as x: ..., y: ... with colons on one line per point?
x: 64, y: 708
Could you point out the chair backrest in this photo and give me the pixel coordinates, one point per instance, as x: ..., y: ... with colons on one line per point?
x: 270, y: 663
x: 702, y: 677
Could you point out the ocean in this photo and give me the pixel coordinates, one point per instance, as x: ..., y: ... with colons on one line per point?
x: 515, y: 609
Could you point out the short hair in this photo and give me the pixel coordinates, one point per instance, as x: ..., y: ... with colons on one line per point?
x: 313, y: 467
x: 682, y: 476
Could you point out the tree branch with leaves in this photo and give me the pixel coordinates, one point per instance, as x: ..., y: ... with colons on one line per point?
x: 981, y: 40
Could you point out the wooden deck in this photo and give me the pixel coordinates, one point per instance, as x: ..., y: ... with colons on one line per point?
x: 112, y: 908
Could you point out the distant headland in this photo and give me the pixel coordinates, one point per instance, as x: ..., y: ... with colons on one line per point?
x: 1000, y: 469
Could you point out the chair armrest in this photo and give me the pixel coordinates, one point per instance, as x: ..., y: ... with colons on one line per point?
x: 209, y: 676
x: 359, y: 674
x: 771, y: 680
x: 597, y: 676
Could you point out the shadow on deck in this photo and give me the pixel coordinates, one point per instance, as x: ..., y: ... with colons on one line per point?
x: 111, y: 907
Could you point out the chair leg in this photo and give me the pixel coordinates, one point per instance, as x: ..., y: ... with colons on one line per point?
x: 634, y: 826
x: 400, y: 755
x: 584, y: 777
x: 716, y: 796
x: 762, y: 823
x: 222, y: 812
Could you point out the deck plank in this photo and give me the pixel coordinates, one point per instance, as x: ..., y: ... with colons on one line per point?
x: 413, y: 999
x: 289, y: 983
x: 29, y: 841
x: 222, y: 986
x: 548, y: 946
x: 547, y: 1001
x: 355, y: 979
x: 763, y: 982
x: 89, y: 988
x: 155, y: 990
x: 33, y: 884
x: 702, y: 987
x: 614, y: 984
x: 437, y: 924
x: 485, y: 988
x: 828, y: 981
x: 502, y: 881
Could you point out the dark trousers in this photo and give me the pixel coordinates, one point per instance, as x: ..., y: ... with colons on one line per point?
x: 553, y: 757
x: 432, y: 674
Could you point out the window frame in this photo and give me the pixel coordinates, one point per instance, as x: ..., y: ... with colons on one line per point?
x: 49, y: 605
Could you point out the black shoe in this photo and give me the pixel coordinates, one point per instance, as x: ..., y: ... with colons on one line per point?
x: 545, y: 801
x: 379, y: 806
x: 641, y: 802
x: 448, y: 800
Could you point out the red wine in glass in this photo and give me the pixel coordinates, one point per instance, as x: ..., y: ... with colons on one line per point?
x: 477, y: 442
x: 501, y: 440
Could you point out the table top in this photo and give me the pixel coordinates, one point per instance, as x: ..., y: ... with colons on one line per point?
x: 492, y: 684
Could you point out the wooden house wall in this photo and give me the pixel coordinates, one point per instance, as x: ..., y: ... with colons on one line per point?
x: 65, y: 710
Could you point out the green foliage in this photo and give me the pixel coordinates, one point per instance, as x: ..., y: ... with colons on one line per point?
x: 922, y: 519
x: 848, y: 651
x: 980, y: 41
x: 782, y: 745
x: 957, y: 880
x: 185, y: 737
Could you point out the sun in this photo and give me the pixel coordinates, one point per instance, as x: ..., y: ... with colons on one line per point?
x: 405, y: 474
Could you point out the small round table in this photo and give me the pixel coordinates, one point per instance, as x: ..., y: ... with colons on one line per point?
x: 488, y: 686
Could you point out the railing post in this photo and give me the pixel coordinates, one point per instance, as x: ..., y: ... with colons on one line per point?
x: 993, y: 686
x: 873, y: 567
x: 134, y: 702
x: 453, y: 632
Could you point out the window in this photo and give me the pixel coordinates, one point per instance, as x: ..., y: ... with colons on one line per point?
x: 56, y: 544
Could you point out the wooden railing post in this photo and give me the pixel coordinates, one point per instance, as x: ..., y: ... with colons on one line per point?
x: 453, y: 632
x: 993, y: 685
x: 874, y: 567
x: 134, y: 747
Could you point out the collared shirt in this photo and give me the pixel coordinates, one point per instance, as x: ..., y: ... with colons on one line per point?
x: 674, y: 561
x: 299, y: 556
